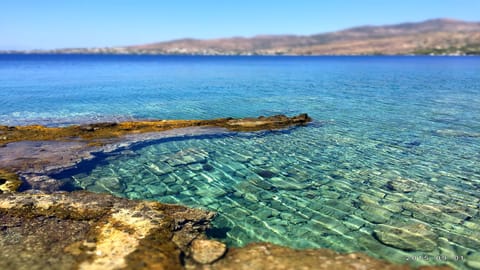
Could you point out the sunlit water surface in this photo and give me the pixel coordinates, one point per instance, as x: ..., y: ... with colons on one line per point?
x: 395, y: 143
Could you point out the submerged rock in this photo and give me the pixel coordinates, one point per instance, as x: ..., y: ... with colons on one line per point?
x: 261, y: 184
x: 376, y: 214
x: 111, y: 184
x: 437, y: 214
x: 282, y: 183
x: 410, y: 237
x: 187, y: 157
x: 207, y: 167
x: 473, y: 260
x: 266, y: 173
x: 457, y: 133
x: 404, y: 185
x: 44, y: 183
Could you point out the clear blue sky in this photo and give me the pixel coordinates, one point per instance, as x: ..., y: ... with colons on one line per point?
x: 30, y: 24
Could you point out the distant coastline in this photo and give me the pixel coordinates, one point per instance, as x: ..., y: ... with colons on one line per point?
x: 87, y: 53
x: 433, y: 37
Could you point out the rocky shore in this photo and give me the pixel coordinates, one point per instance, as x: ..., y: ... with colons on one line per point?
x: 101, y: 133
x: 34, y: 152
x: 45, y: 228
x: 83, y: 230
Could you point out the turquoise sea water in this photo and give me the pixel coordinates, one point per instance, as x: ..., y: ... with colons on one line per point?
x: 395, y: 143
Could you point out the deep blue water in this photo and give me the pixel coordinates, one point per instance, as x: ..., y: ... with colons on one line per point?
x: 395, y: 141
x: 57, y: 89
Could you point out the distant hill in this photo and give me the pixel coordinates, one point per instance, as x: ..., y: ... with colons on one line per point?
x: 438, y: 37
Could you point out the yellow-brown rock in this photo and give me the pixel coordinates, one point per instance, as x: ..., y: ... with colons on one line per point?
x: 95, y: 133
x: 83, y: 230
x: 9, y: 182
x: 207, y: 251
x: 264, y: 256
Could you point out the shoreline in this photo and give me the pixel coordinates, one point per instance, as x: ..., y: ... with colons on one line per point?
x: 96, y: 132
x: 132, y: 234
x: 101, y: 231
x: 238, y: 55
x: 34, y: 152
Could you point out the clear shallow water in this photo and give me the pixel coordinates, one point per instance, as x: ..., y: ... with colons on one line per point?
x: 396, y: 141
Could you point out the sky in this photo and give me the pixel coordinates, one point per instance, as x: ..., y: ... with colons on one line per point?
x: 48, y: 24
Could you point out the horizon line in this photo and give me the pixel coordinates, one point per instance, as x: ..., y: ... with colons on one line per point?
x: 446, y: 19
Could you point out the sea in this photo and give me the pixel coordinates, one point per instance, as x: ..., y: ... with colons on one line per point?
x: 390, y: 165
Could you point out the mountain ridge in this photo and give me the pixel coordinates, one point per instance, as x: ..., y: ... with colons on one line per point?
x: 442, y: 36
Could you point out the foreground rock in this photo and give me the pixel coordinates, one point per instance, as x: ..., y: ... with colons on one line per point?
x: 207, y: 251
x: 264, y: 256
x: 82, y: 230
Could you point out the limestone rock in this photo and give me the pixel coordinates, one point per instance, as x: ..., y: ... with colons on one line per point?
x: 376, y: 214
x: 9, y: 182
x: 261, y: 184
x: 272, y: 257
x: 187, y: 157
x: 403, y: 185
x: 411, y: 237
x: 44, y: 183
x: 271, y: 122
x: 436, y: 213
x: 104, y: 232
x: 207, y: 251
x: 94, y: 231
x: 112, y: 184
x: 265, y: 173
x: 282, y: 183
